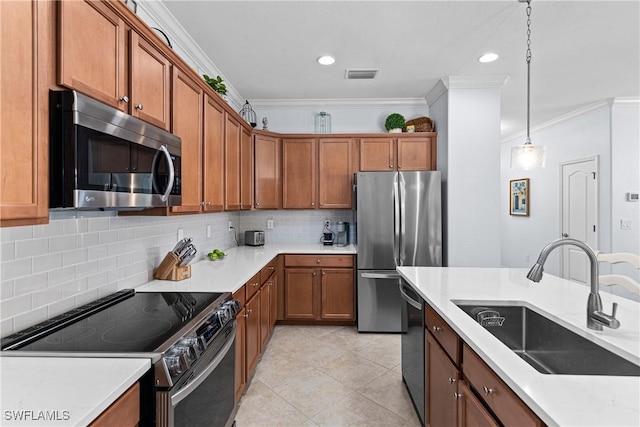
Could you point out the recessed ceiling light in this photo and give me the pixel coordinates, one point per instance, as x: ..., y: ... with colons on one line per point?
x: 326, y: 60
x: 488, y: 57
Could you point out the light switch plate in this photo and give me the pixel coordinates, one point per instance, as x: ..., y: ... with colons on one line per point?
x: 625, y: 224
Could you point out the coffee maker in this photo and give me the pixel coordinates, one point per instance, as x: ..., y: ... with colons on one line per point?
x: 342, y: 238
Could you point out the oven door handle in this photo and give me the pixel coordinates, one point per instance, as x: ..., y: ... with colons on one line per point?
x: 185, y: 391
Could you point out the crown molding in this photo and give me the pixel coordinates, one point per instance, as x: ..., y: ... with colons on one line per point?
x: 464, y: 82
x: 273, y: 104
x: 625, y: 101
x: 180, y: 37
x: 598, y: 105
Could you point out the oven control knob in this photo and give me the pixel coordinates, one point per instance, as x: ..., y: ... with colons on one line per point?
x: 193, y: 344
x: 175, y: 364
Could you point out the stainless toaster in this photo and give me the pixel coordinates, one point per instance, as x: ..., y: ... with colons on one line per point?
x: 254, y: 238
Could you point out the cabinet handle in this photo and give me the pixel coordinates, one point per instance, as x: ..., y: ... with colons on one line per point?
x: 436, y: 328
x: 487, y: 390
x: 321, y: 203
x: 324, y: 274
x: 390, y: 166
x: 139, y: 107
x: 202, y: 203
x: 452, y: 380
x: 457, y: 396
x: 208, y: 203
x: 399, y: 166
x: 124, y: 99
x: 317, y: 261
x: 257, y: 203
x: 245, y: 315
x: 313, y: 204
x: 313, y: 274
x: 272, y: 268
x: 256, y: 284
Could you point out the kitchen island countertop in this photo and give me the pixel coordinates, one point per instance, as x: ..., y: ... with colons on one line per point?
x: 238, y: 266
x: 564, y: 400
x: 36, y: 390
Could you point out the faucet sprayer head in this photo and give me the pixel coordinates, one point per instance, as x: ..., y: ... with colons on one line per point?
x: 535, y: 273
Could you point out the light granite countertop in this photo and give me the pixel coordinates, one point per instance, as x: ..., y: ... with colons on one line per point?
x: 563, y: 400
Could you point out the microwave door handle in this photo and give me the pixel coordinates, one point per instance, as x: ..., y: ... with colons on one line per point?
x: 172, y: 173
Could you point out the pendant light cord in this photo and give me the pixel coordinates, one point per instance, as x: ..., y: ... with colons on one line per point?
x: 528, y: 141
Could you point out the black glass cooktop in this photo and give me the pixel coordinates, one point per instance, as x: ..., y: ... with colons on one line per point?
x: 140, y: 322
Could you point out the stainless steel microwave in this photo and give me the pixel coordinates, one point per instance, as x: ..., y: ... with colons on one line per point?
x: 102, y: 158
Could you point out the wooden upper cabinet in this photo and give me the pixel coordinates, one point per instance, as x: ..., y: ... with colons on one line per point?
x: 407, y: 153
x: 416, y: 154
x: 299, y: 173
x: 377, y: 154
x: 150, y: 83
x: 92, y: 51
x: 267, y: 182
x: 187, y: 124
x: 231, y: 164
x: 25, y: 74
x: 335, y: 173
x: 246, y: 169
x: 213, y: 164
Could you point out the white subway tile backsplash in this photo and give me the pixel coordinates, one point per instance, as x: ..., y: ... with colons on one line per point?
x: 81, y: 256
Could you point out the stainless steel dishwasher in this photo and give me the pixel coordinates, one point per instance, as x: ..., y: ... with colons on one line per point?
x: 413, y: 351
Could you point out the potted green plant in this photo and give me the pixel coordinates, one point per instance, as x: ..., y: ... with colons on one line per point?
x: 216, y: 83
x: 394, y: 123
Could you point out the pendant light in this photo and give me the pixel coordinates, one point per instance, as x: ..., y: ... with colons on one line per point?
x: 528, y: 156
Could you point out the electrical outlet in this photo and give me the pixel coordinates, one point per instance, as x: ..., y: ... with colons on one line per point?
x: 327, y: 223
x: 230, y: 225
x: 269, y: 224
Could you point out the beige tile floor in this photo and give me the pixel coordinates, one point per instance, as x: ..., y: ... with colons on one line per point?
x: 328, y: 376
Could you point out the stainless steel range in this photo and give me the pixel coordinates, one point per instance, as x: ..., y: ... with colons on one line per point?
x: 189, y: 338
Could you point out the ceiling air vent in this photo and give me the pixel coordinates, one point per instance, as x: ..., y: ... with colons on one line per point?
x: 360, y: 74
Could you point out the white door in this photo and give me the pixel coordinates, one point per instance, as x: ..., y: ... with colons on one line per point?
x: 579, y: 215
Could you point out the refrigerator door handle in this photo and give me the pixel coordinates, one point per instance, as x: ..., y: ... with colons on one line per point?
x: 396, y: 221
x: 415, y: 304
x: 380, y: 275
x: 402, y: 252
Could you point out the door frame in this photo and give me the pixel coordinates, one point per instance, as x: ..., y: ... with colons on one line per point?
x: 596, y: 159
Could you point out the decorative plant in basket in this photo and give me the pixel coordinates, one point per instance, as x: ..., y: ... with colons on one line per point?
x: 216, y: 84
x: 394, y: 123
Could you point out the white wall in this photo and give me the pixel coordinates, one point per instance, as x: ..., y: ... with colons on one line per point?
x: 606, y: 131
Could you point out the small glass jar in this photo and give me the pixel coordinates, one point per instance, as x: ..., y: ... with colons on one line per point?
x: 323, y: 122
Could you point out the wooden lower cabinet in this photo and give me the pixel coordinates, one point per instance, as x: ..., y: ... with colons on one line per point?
x: 124, y: 412
x: 322, y: 293
x: 252, y: 333
x: 241, y: 326
x: 462, y: 390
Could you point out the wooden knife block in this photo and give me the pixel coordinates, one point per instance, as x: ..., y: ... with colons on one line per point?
x: 169, y: 269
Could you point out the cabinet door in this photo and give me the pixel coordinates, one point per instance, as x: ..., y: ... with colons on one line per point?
x: 92, y: 51
x: 442, y: 378
x: 471, y: 413
x: 267, y: 172
x: 246, y: 170
x: 273, y: 300
x: 265, y: 311
x: 416, y: 154
x: 335, y: 173
x: 213, y: 167
x: 299, y: 173
x: 377, y: 154
x: 231, y: 164
x: 186, y: 123
x: 300, y: 293
x: 252, y: 348
x: 240, y: 374
x: 24, y: 112
x: 337, y: 294
x: 124, y: 412
x: 150, y: 82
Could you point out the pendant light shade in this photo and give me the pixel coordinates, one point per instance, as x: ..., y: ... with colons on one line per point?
x: 528, y: 156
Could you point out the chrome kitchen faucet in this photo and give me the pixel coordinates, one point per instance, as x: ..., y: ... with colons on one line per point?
x: 595, y: 317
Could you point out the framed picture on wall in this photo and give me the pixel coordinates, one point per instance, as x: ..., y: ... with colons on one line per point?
x: 519, y: 197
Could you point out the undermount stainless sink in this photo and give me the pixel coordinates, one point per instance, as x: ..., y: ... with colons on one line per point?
x: 544, y: 344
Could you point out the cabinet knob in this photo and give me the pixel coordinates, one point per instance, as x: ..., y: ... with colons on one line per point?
x: 390, y: 166
x: 245, y: 315
x: 321, y: 203
x: 208, y: 203
x: 202, y: 203
x: 324, y: 274
x: 452, y: 380
x: 313, y: 204
x: 124, y: 99
x: 313, y: 274
x: 272, y: 268
x: 436, y: 329
x: 457, y: 396
x: 317, y: 261
x: 487, y: 390
x: 399, y: 166
x: 256, y: 284
x: 139, y: 107
x: 257, y: 203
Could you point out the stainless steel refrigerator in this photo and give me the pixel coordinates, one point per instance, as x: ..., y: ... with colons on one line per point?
x: 398, y: 223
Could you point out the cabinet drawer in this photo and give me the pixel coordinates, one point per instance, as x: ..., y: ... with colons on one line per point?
x: 446, y: 336
x: 252, y: 286
x: 268, y: 270
x: 123, y: 412
x: 507, y: 406
x: 318, y: 261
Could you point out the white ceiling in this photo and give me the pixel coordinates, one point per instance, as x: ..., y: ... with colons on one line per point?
x: 582, y: 51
